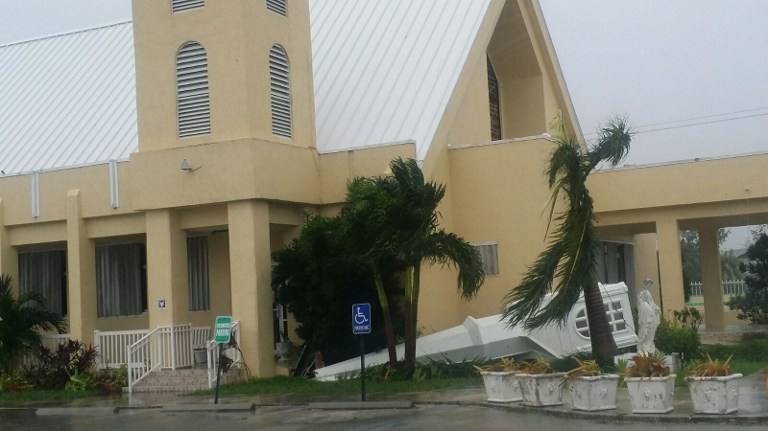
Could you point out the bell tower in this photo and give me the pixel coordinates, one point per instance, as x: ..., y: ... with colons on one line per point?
x: 211, y: 71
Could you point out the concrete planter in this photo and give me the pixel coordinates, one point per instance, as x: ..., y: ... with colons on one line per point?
x: 714, y: 395
x: 592, y: 393
x: 651, y: 394
x: 501, y: 386
x: 541, y: 389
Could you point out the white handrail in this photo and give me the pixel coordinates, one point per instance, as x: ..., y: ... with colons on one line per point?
x: 164, y: 347
x: 141, y: 360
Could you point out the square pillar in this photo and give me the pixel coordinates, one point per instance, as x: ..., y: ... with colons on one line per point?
x: 81, y: 273
x: 670, y: 265
x: 166, y: 270
x: 9, y: 259
x: 250, y: 268
x: 711, y: 279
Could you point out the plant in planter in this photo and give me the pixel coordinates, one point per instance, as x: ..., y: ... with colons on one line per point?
x: 714, y: 390
x: 500, y: 380
x: 540, y: 385
x: 590, y: 388
x: 650, y: 385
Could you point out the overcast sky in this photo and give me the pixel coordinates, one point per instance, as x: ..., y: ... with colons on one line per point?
x: 690, y: 75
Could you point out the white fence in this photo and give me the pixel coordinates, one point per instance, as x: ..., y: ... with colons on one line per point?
x: 730, y: 288
x: 111, y: 346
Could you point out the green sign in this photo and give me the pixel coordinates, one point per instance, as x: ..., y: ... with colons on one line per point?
x: 222, y: 329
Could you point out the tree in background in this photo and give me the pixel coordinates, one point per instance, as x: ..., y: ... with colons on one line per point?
x: 567, y: 267
x: 22, y: 320
x: 753, y: 304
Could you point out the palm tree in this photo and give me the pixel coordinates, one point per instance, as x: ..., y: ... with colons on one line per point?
x: 566, y: 268
x: 22, y: 318
x: 404, y: 218
x: 362, y: 220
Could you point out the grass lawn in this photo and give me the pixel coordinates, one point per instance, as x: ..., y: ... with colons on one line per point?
x: 41, y: 396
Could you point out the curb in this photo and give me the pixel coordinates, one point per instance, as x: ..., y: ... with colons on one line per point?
x: 613, y: 416
x: 362, y: 405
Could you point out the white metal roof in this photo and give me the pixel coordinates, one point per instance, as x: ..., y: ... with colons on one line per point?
x: 383, y: 72
x: 68, y: 100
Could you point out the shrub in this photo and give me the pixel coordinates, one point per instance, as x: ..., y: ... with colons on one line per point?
x: 673, y: 337
x: 112, y: 380
x: 53, y: 369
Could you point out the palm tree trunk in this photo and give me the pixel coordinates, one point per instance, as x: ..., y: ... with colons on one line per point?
x: 388, y: 328
x: 603, y: 345
x: 410, y: 357
x: 410, y: 330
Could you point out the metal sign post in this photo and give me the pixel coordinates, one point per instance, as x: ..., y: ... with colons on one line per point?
x: 222, y: 332
x: 361, y: 325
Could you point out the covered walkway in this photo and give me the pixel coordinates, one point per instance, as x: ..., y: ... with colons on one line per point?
x: 702, y: 195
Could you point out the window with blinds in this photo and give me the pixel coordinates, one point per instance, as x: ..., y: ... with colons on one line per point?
x: 182, y: 5
x: 192, y: 99
x: 489, y: 252
x: 197, y: 273
x: 493, y: 100
x: 121, y: 280
x: 277, y: 6
x: 45, y: 272
x: 280, y: 91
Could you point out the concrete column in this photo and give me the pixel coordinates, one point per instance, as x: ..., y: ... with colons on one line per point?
x: 9, y: 259
x: 711, y: 278
x: 670, y: 265
x: 81, y: 273
x: 166, y: 270
x: 250, y: 268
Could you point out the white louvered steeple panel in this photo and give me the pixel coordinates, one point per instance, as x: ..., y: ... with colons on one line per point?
x: 277, y: 6
x: 280, y: 91
x: 193, y: 103
x: 182, y: 5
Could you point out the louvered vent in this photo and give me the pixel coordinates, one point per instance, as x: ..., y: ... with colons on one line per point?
x: 277, y: 6
x: 181, y: 5
x: 280, y: 90
x: 193, y: 104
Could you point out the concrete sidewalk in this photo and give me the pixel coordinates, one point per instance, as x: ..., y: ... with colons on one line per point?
x: 753, y: 404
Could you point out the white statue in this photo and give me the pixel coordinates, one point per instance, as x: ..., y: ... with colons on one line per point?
x: 648, y: 318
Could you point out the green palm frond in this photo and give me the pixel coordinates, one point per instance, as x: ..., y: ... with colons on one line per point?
x: 612, y: 144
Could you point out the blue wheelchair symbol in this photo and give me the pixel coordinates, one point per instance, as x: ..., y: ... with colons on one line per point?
x: 361, y: 318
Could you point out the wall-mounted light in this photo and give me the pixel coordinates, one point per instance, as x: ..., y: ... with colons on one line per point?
x: 186, y: 167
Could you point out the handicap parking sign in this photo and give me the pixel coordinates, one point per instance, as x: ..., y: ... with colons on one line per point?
x: 361, y: 319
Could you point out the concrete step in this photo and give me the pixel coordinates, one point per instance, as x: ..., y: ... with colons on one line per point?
x: 185, y: 380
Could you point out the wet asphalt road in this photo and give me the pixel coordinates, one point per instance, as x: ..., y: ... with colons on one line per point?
x: 423, y: 417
